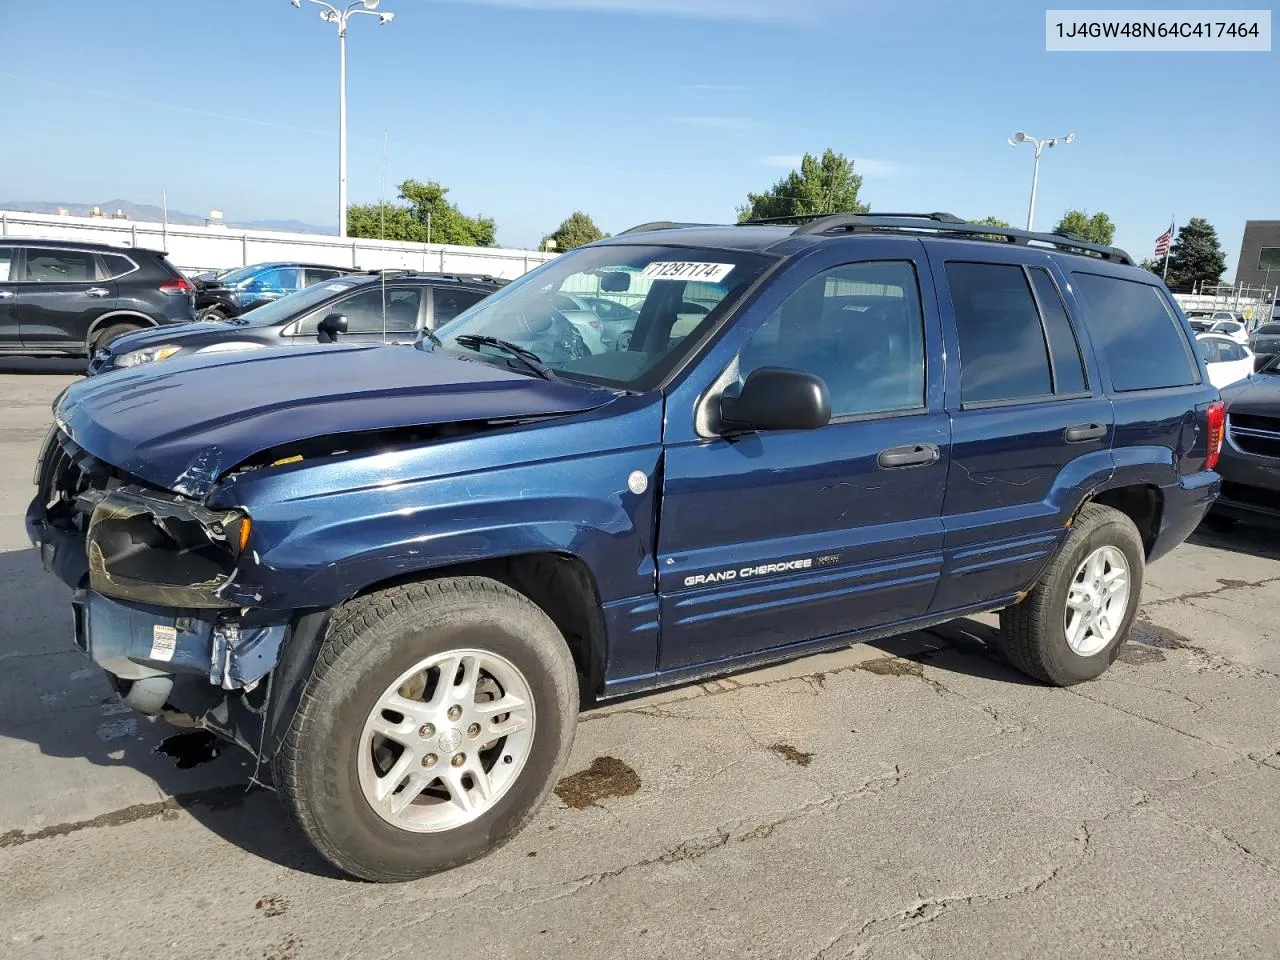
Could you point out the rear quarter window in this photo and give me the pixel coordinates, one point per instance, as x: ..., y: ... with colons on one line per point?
x: 1137, y: 332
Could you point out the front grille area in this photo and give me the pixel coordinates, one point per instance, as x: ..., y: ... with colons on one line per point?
x: 71, y: 481
x: 1254, y: 434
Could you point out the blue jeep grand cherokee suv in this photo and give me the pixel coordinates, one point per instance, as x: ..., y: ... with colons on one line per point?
x: 391, y: 573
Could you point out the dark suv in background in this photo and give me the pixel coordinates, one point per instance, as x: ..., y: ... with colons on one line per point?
x: 63, y: 298
x: 231, y: 293
x: 390, y: 306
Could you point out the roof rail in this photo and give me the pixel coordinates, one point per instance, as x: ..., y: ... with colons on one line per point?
x: 660, y: 225
x: 944, y: 224
x: 808, y: 219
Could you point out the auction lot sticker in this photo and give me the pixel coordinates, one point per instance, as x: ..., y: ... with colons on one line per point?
x: 687, y: 270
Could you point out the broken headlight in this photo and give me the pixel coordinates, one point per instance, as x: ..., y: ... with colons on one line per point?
x: 161, y: 550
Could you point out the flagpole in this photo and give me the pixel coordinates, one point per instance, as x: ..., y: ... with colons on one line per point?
x: 1167, y: 251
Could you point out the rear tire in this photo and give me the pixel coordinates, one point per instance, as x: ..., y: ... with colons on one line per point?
x: 211, y: 315
x: 113, y: 332
x: 1035, y: 633
x: 402, y: 804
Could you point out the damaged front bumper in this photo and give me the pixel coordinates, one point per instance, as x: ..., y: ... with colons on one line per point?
x: 148, y: 570
x: 136, y: 641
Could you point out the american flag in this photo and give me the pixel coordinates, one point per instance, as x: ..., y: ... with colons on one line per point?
x: 1163, y: 241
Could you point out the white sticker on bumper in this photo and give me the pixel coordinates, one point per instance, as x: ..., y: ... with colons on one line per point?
x: 164, y: 640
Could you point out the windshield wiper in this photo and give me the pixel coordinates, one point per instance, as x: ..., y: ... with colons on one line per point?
x: 527, y: 357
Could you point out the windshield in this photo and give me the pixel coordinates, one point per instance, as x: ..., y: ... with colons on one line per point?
x: 292, y: 305
x: 668, y: 298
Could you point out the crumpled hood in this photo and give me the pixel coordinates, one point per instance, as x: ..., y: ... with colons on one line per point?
x: 182, y: 424
x: 1259, y: 395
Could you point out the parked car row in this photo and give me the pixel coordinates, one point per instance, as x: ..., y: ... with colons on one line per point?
x: 383, y: 307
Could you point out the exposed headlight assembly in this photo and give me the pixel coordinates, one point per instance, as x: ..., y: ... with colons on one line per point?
x: 135, y: 358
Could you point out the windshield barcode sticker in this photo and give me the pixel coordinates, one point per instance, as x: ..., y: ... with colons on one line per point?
x: 164, y: 640
x: 684, y: 270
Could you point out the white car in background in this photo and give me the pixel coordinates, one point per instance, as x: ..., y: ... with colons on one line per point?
x: 1230, y: 328
x: 1227, y: 359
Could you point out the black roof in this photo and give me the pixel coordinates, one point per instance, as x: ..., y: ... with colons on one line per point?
x: 764, y: 235
x: 90, y: 245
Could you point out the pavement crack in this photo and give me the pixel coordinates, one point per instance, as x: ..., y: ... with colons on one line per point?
x: 1077, y: 692
x: 217, y: 798
x: 857, y: 942
x: 1216, y: 591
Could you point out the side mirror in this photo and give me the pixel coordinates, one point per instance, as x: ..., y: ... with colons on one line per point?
x: 330, y: 327
x: 776, y: 398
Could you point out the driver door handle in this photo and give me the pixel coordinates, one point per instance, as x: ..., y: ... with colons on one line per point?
x: 1084, y: 432
x: 5, y: 294
x: 913, y: 455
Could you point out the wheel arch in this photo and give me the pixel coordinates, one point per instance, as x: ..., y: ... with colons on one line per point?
x: 116, y: 316
x: 560, y: 583
x: 1141, y: 502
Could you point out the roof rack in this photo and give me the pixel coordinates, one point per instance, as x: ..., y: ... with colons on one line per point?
x: 806, y: 218
x: 945, y: 224
x: 661, y: 225
x: 434, y: 275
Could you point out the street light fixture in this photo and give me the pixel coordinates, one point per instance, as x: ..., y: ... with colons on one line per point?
x: 1021, y: 137
x: 331, y: 14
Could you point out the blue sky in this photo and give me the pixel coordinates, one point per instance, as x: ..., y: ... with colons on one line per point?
x: 631, y: 110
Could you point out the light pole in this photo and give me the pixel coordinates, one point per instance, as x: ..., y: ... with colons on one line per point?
x: 1021, y: 137
x: 331, y: 14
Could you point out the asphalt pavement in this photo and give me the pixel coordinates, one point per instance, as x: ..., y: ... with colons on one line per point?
x: 915, y: 798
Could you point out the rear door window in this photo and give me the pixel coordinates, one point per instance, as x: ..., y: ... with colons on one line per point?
x: 450, y: 303
x: 60, y: 266
x: 1003, y: 350
x: 8, y: 262
x: 313, y: 275
x: 1137, y: 332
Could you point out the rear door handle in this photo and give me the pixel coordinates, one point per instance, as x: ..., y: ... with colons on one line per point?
x: 913, y: 455
x: 97, y: 291
x: 1084, y: 432
x: 5, y: 294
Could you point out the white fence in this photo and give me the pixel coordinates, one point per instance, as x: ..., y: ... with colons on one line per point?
x: 192, y: 249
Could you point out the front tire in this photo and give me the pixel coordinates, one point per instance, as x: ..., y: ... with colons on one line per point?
x: 437, y: 719
x: 112, y: 333
x: 1072, y: 624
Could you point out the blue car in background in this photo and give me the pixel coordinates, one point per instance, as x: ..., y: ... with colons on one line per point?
x: 393, y: 574
x: 228, y: 294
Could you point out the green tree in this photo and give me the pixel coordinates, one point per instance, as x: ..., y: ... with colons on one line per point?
x: 1096, y: 229
x: 1196, y: 257
x: 576, y: 230
x: 992, y: 222
x: 426, y: 217
x: 826, y: 184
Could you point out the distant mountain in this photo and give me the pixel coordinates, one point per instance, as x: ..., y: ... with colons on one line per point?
x: 152, y: 213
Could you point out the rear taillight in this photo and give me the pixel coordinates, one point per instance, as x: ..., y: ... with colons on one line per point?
x: 1216, y: 416
x: 177, y: 287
